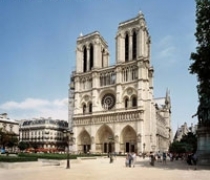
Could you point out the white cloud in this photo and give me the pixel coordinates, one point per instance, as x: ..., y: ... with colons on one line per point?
x: 165, y: 48
x: 28, y: 103
x: 35, y: 108
x: 164, y: 51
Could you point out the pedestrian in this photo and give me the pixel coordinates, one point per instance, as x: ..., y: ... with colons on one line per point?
x: 133, y: 159
x: 194, y: 160
x: 111, y: 157
x: 152, y: 159
x: 130, y: 159
x: 127, y: 161
x: 164, y: 158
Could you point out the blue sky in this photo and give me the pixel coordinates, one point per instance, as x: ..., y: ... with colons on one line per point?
x: 38, y: 41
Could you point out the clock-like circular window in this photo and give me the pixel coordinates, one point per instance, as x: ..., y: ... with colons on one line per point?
x: 108, y: 101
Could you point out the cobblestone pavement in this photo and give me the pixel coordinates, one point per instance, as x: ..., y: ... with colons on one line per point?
x: 101, y: 169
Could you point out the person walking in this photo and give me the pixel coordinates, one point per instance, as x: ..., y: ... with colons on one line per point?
x: 134, y: 159
x: 152, y: 159
x: 127, y: 161
x: 130, y: 159
x: 164, y: 157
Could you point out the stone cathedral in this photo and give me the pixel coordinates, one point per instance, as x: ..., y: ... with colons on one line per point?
x: 112, y: 108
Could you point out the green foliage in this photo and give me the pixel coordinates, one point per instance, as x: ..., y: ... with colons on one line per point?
x: 17, y: 159
x: 188, y: 143
x: 191, y: 141
x: 47, y: 155
x: 23, y: 145
x: 201, y: 58
x: 55, y: 156
x: 8, y: 139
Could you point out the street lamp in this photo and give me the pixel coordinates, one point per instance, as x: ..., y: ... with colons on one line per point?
x: 144, y: 146
x: 68, y: 137
x: 0, y: 143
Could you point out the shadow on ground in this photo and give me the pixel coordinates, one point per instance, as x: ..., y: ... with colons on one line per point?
x: 170, y: 165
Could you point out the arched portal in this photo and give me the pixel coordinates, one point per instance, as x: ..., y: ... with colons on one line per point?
x: 84, y: 142
x: 128, y: 140
x: 105, y: 139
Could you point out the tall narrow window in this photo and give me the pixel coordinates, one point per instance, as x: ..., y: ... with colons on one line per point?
x: 90, y: 108
x: 126, y: 48
x: 102, y: 58
x: 134, y: 50
x: 126, y: 103
x: 84, y: 59
x: 134, y: 102
x: 84, y: 109
x: 91, y: 56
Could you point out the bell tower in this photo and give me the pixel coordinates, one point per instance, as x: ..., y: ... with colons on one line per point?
x: 91, y: 52
x: 132, y: 40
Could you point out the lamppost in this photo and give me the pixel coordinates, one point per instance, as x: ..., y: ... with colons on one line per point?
x: 68, y: 137
x: 144, y: 146
x: 0, y: 143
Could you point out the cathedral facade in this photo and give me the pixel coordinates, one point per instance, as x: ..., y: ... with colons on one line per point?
x: 112, y: 108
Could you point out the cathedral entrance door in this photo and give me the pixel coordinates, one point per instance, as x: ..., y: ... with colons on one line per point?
x: 105, y: 148
x: 127, y: 147
x: 132, y: 148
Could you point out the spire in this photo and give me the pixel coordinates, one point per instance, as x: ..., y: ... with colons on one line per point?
x: 140, y: 13
x: 167, y: 99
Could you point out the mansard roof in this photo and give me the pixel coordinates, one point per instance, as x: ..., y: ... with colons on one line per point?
x: 45, y: 121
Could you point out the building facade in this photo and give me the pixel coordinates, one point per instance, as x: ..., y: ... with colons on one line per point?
x: 112, y: 108
x: 184, y: 130
x: 44, y: 133
x: 8, y: 127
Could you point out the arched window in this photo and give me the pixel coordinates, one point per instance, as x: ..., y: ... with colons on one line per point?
x: 126, y: 47
x: 84, y: 59
x: 102, y: 58
x: 126, y: 103
x: 134, y: 102
x: 91, y: 56
x: 90, y: 108
x: 84, y: 108
x: 134, y: 50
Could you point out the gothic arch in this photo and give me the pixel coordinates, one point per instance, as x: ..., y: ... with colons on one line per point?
x: 84, y: 108
x: 105, y: 139
x: 128, y: 139
x: 84, y: 141
x: 134, y: 100
x: 84, y: 59
x: 134, y: 42
x: 126, y: 47
x: 90, y: 106
x: 126, y: 101
x: 91, y: 56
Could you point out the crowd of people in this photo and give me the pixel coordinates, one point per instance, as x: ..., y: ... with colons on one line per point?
x: 130, y: 160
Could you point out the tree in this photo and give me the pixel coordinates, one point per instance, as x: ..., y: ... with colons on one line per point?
x: 201, y: 60
x: 8, y: 139
x: 188, y: 143
x: 23, y: 145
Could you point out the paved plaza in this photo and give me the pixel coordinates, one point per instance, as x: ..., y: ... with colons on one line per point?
x: 101, y: 169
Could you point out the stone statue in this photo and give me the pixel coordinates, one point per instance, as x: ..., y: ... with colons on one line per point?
x: 203, y: 111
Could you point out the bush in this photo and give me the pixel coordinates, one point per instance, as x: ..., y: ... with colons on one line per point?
x: 17, y: 159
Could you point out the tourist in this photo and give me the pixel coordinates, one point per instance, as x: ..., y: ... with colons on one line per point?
x: 133, y: 159
x: 164, y: 157
x: 130, y: 159
x: 152, y: 159
x: 127, y: 161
